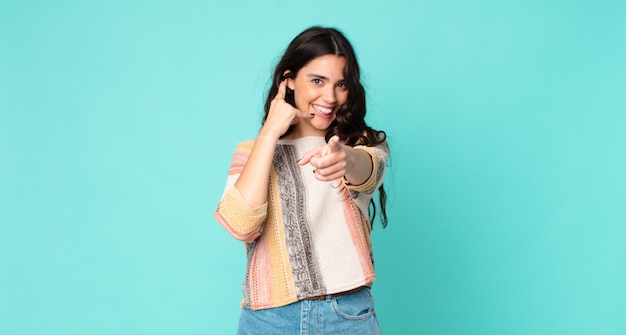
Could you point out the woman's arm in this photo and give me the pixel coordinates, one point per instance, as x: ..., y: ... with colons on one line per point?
x: 335, y: 160
x: 362, y: 168
x: 253, y: 183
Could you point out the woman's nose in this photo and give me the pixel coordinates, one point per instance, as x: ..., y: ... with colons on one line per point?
x: 330, y: 95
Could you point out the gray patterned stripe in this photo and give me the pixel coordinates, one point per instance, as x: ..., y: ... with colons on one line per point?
x: 305, y: 269
x: 247, y: 301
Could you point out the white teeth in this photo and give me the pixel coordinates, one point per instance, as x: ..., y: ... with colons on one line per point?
x: 322, y: 109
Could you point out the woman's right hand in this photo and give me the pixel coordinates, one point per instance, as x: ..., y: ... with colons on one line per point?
x: 253, y: 182
x: 281, y: 114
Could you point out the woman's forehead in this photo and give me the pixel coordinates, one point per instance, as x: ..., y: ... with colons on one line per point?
x: 327, y: 66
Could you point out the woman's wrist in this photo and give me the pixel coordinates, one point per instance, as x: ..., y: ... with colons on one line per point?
x: 267, y: 134
x: 358, y: 166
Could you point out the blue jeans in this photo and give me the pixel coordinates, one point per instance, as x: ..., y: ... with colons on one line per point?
x: 347, y: 314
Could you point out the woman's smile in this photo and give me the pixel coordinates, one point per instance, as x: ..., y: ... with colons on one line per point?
x: 322, y: 111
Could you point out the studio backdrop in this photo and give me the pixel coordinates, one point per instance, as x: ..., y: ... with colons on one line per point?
x: 507, y: 179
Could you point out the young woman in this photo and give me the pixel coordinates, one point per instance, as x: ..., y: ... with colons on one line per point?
x: 299, y: 196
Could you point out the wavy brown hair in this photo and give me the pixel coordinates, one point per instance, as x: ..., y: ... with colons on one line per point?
x: 350, y: 123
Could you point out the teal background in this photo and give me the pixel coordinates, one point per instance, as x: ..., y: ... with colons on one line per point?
x: 507, y: 182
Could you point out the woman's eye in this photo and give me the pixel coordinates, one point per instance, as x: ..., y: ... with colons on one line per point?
x: 342, y: 86
x: 317, y: 81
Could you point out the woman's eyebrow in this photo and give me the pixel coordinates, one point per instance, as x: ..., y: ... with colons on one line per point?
x: 319, y: 76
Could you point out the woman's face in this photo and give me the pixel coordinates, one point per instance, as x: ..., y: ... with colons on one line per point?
x: 319, y: 89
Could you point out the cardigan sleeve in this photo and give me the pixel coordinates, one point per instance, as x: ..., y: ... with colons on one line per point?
x: 378, y: 155
x: 243, y: 222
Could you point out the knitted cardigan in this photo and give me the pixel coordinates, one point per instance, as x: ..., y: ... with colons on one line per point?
x: 311, y: 238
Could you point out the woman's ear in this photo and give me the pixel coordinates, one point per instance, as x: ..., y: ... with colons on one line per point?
x: 287, y: 76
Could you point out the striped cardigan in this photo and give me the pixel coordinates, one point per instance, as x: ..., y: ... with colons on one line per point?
x: 311, y: 238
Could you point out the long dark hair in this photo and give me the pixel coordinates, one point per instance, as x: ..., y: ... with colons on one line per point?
x: 349, y: 124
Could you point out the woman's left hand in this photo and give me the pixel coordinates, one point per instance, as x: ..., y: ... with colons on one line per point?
x: 331, y: 161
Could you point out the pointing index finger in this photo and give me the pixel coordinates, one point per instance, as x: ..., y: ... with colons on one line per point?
x: 333, y: 143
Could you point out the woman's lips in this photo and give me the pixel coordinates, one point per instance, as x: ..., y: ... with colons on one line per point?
x: 323, y: 111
